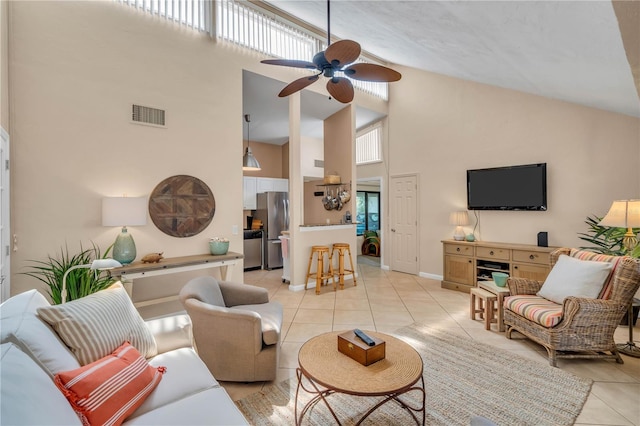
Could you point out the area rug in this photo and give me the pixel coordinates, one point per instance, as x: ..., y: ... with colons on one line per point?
x: 463, y: 379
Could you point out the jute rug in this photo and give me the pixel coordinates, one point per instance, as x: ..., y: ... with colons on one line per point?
x: 463, y: 379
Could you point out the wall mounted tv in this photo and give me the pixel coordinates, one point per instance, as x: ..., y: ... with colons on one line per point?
x: 508, y: 188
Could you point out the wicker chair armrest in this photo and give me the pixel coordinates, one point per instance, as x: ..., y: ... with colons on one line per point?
x: 522, y: 286
x: 580, y: 312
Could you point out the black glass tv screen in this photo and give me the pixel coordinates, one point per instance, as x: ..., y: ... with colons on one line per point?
x: 508, y: 188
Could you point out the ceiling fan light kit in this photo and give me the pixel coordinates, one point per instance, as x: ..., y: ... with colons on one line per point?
x: 334, y: 60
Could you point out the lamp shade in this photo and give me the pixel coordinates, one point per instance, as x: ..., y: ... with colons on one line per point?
x: 460, y: 218
x: 249, y: 162
x: 623, y: 214
x: 124, y: 211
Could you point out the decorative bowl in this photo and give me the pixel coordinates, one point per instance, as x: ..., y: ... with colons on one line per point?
x: 218, y: 247
x: 500, y: 278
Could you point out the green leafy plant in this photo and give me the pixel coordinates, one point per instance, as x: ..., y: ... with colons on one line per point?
x: 80, y: 282
x: 605, y: 239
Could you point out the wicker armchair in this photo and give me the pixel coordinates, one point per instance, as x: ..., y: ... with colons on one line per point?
x: 586, y: 326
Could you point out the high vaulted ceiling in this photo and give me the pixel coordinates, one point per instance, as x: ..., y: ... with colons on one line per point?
x: 567, y: 50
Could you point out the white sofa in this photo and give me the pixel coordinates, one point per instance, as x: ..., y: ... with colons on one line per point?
x: 32, y: 353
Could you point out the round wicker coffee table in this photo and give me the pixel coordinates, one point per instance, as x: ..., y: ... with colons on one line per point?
x: 328, y: 371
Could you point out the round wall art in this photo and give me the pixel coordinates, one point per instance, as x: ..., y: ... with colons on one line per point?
x: 182, y: 206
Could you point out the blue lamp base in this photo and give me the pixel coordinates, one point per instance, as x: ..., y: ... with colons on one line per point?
x: 124, y: 249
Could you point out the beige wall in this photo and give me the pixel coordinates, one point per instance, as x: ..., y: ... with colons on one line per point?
x: 76, y: 68
x: 271, y: 159
x: 440, y: 126
x: 4, y: 66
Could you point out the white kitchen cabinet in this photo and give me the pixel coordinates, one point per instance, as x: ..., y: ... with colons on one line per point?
x: 264, y: 185
x: 257, y: 185
x: 272, y: 184
x: 281, y: 185
x: 250, y: 189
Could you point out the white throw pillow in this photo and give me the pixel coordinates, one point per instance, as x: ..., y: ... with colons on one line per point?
x: 96, y: 325
x: 574, y: 277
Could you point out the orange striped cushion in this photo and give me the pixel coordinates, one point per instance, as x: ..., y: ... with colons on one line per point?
x: 108, y: 390
x: 597, y: 257
x: 535, y: 308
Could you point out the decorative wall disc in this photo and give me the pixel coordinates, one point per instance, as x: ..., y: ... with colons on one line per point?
x: 182, y: 206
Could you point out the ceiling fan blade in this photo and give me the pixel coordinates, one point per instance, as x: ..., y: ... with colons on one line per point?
x: 296, y: 85
x: 342, y: 52
x: 372, y: 72
x: 341, y: 89
x: 290, y: 63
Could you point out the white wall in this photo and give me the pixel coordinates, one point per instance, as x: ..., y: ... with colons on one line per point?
x: 440, y: 126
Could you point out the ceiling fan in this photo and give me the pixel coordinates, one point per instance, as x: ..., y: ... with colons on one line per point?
x: 336, y: 59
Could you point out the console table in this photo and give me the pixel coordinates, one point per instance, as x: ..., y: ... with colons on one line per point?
x: 173, y: 265
x: 466, y: 263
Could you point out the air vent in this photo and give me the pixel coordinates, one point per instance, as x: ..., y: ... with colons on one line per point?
x: 318, y: 163
x: 147, y: 115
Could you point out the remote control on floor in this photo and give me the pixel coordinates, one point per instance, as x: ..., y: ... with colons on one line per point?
x: 364, y: 337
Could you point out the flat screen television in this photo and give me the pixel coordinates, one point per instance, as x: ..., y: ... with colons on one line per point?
x: 508, y: 188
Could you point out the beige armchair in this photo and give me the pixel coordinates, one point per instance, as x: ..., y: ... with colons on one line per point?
x: 236, y: 330
x: 579, y: 327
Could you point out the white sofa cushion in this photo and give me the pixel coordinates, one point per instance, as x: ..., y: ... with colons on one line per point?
x: 210, y: 407
x: 21, y: 326
x: 171, y: 332
x: 95, y: 325
x: 185, y: 375
x: 574, y: 277
x: 29, y: 396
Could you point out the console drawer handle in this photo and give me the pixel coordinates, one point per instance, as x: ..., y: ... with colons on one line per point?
x: 458, y: 249
x: 491, y: 252
x: 532, y: 257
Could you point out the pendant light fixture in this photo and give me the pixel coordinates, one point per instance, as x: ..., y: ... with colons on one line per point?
x: 249, y: 162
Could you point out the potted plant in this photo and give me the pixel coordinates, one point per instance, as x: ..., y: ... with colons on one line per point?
x: 80, y: 282
x: 607, y: 240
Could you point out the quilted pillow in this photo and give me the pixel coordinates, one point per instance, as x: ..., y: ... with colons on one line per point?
x: 108, y: 390
x: 95, y: 325
x: 574, y: 277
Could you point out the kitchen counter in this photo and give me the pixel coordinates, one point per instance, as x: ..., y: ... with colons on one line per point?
x: 325, y: 226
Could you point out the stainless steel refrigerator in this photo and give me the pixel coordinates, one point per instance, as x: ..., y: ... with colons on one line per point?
x: 273, y: 210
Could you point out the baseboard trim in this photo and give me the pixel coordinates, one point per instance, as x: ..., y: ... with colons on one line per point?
x: 431, y: 276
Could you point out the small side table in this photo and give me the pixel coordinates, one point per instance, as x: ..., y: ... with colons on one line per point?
x: 329, y: 371
x: 501, y: 293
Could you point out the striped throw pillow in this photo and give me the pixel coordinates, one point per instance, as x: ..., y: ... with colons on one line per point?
x: 108, y: 390
x: 95, y: 325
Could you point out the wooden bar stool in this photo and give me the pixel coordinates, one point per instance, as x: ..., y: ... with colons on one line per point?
x: 320, y: 275
x: 342, y: 248
x: 483, y: 302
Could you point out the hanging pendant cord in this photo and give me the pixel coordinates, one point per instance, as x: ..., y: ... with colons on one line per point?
x: 328, y: 23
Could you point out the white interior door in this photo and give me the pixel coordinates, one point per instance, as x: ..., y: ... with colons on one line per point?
x: 5, y: 229
x: 403, y: 195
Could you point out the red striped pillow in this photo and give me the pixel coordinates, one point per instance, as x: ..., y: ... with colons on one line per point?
x: 108, y: 390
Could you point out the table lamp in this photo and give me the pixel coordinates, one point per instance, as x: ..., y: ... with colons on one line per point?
x: 97, y: 265
x: 124, y: 211
x: 626, y: 214
x: 459, y: 219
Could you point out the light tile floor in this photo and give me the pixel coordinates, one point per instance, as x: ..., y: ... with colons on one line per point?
x: 385, y: 301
